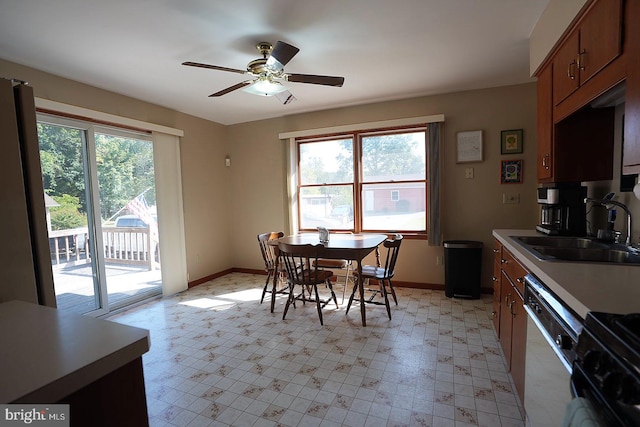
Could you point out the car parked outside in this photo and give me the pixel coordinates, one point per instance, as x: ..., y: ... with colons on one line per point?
x: 342, y: 212
x: 129, y: 244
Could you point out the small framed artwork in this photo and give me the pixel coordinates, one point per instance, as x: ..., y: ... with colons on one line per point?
x: 511, y: 141
x: 511, y: 172
x: 469, y: 147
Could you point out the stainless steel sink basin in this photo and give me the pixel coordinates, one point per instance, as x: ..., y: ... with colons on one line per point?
x: 577, y: 249
x: 589, y: 255
x: 560, y: 241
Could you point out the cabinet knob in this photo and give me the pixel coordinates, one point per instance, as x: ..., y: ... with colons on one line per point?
x: 581, y: 62
x: 506, y: 300
x: 545, y: 161
x: 570, y: 67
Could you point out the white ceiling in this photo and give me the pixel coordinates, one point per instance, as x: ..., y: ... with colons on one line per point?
x: 385, y: 49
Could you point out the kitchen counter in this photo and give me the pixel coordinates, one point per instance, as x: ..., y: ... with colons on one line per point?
x: 48, y: 355
x: 611, y: 288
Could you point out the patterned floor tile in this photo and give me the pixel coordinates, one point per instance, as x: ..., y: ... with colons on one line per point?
x: 219, y: 357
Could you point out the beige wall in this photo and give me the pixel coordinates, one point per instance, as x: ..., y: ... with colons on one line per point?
x: 472, y: 207
x: 554, y: 21
x: 205, y: 182
x: 225, y: 208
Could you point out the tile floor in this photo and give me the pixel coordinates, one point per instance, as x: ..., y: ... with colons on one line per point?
x: 218, y: 357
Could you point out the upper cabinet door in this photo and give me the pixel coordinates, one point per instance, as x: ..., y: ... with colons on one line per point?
x: 631, y: 153
x: 565, y: 68
x: 600, y: 37
x: 545, y: 126
x: 591, y: 46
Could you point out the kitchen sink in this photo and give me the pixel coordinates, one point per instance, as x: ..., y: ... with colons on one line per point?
x: 560, y: 242
x: 577, y: 249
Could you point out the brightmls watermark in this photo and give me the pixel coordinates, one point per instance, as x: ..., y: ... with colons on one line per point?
x: 35, y: 415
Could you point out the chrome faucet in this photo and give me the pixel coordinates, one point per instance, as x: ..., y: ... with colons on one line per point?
x: 607, y: 202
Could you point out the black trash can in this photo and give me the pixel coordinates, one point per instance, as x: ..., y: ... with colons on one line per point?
x: 462, y: 267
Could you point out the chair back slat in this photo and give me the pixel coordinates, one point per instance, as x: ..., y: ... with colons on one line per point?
x: 393, y: 248
x: 301, y: 263
x: 269, y: 251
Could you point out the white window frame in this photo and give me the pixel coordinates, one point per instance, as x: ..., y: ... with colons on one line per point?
x: 166, y: 158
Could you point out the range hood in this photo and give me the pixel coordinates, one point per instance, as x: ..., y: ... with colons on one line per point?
x: 611, y: 98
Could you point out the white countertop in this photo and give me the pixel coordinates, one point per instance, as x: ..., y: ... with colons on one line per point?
x: 610, y: 288
x: 47, y: 354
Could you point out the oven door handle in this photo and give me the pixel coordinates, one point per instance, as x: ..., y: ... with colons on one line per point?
x: 583, y: 386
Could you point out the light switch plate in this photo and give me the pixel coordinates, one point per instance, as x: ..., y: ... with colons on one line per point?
x: 468, y: 173
x: 510, y: 198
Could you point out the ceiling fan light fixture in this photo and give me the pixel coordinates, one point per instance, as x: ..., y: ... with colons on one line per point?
x: 265, y: 87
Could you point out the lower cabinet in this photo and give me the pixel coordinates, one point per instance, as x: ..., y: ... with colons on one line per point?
x: 511, y: 324
x: 518, y: 345
x: 495, y: 314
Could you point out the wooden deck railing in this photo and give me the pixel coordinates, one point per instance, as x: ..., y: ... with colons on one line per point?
x: 122, y: 245
x: 130, y: 245
x: 68, y: 245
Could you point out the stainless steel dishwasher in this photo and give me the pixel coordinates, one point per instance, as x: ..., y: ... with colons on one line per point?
x: 552, y: 335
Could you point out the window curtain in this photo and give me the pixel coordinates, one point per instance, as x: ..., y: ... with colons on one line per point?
x: 291, y: 223
x: 434, y: 153
x: 166, y: 159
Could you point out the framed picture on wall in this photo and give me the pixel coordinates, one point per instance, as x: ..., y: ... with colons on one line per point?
x: 511, y: 172
x: 511, y: 141
x: 469, y: 146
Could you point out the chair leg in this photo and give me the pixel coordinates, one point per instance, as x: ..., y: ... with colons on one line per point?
x: 393, y: 292
x: 332, y: 293
x: 386, y: 297
x: 353, y: 294
x: 315, y: 287
x: 347, y: 275
x: 266, y: 286
x: 289, y: 300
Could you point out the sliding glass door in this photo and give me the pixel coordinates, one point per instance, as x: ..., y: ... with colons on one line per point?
x: 100, y: 198
x: 128, y: 211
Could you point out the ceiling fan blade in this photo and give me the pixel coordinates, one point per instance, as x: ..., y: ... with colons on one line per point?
x: 316, y: 80
x: 283, y: 53
x: 214, y: 67
x: 232, y: 88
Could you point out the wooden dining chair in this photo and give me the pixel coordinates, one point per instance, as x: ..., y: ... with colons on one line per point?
x: 344, y: 276
x: 344, y: 267
x: 269, y: 255
x: 382, y: 274
x: 301, y: 265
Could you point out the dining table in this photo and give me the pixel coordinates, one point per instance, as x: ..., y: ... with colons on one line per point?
x: 343, y: 246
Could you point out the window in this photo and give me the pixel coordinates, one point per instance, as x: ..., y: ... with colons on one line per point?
x: 364, y: 181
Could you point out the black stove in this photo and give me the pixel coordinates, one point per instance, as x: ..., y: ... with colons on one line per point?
x: 607, y: 368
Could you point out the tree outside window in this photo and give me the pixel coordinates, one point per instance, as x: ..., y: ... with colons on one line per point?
x: 369, y: 181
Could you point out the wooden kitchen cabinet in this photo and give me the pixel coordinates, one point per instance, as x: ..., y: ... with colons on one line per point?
x: 496, y: 279
x: 512, y: 318
x: 519, y: 345
x: 589, y: 48
x: 631, y: 153
x: 575, y: 140
x: 507, y: 298
x: 545, y: 157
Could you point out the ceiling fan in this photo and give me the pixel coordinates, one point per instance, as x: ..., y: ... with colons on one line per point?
x: 269, y: 73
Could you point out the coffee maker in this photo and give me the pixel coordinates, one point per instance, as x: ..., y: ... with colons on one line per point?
x: 562, y: 210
